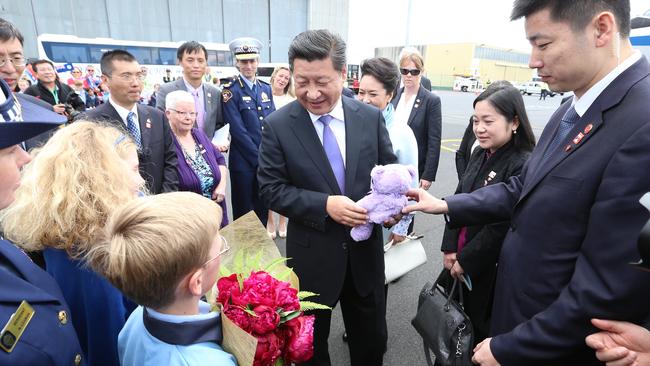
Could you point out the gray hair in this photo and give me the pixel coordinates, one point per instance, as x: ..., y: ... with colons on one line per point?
x: 318, y: 44
x: 172, y: 99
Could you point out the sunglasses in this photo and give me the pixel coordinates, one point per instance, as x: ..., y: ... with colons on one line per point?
x: 414, y: 72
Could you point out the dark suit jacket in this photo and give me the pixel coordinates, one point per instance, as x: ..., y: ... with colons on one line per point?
x: 426, y: 122
x: 425, y: 82
x: 575, y: 220
x: 157, y: 156
x: 480, y: 254
x: 296, y: 179
x: 464, y: 151
x: 46, y: 341
x: 213, y: 119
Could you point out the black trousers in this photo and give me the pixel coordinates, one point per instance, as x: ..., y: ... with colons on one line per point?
x: 245, y: 195
x: 365, y: 322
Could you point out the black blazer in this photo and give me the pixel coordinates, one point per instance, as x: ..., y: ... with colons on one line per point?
x: 157, y: 156
x: 464, y: 152
x: 426, y: 122
x: 295, y: 180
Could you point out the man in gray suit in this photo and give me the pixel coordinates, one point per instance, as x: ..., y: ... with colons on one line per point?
x: 193, y: 57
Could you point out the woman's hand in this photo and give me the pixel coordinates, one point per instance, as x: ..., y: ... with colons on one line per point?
x: 425, y: 203
x: 456, y: 270
x: 448, y: 260
x: 218, y: 195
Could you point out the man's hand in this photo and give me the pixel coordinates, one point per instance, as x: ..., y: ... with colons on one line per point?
x: 59, y: 108
x: 483, y: 354
x: 448, y: 260
x: 345, y: 211
x: 425, y: 203
x: 425, y: 184
x: 620, y: 343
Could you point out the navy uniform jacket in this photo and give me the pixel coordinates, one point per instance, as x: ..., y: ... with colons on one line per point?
x: 575, y: 220
x: 49, y: 338
x: 245, y: 111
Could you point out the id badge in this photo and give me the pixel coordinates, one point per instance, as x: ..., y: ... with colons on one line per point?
x: 15, y: 327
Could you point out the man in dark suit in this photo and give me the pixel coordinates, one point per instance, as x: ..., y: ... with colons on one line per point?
x: 193, y: 58
x: 574, y: 210
x: 34, y: 317
x: 147, y: 126
x: 315, y: 161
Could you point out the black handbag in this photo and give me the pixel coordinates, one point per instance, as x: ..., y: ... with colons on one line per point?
x: 443, y: 325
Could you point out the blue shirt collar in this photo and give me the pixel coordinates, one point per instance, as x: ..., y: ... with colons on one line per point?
x: 248, y: 82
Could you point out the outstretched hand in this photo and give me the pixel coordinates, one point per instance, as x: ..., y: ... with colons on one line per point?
x: 620, y: 343
x: 425, y: 203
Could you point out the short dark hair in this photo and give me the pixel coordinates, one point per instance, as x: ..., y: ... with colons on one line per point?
x: 383, y: 70
x: 578, y: 13
x: 8, y: 31
x: 190, y: 47
x: 507, y: 100
x: 40, y: 62
x: 106, y: 63
x: 318, y: 44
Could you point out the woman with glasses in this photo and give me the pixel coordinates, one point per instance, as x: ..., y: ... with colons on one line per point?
x: 76, y: 180
x: 76, y: 76
x: 420, y: 109
x: 201, y: 168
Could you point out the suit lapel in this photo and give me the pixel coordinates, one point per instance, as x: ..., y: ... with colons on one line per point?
x: 354, y: 127
x: 306, y: 135
x: 144, y: 119
x: 416, y: 105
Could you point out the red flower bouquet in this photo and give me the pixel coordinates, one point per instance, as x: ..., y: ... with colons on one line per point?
x: 271, y: 311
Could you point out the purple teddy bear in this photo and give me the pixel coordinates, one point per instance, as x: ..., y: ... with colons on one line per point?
x: 387, y: 197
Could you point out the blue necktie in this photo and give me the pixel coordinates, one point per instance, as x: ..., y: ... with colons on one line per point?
x: 133, y: 129
x: 332, y: 151
x: 568, y: 121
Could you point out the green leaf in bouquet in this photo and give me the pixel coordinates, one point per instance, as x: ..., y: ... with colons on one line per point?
x: 290, y: 315
x: 305, y: 294
x: 238, y: 262
x: 284, y: 275
x: 253, y: 263
x: 271, y: 266
x: 279, y: 362
x: 224, y: 271
x: 310, y: 305
x: 250, y: 311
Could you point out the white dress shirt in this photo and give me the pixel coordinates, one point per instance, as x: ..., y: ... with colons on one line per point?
x: 123, y: 112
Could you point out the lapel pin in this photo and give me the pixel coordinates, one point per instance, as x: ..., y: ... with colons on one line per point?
x: 578, y: 138
x: 148, y: 123
x: 416, y: 105
x: 209, y: 95
x: 567, y: 148
x: 418, y: 100
x: 589, y: 128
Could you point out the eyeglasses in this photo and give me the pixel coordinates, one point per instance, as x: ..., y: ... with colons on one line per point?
x: 185, y: 114
x: 414, y: 72
x: 15, y: 60
x: 224, y: 248
x: 128, y: 77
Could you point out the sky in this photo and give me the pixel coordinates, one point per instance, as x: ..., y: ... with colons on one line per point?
x: 379, y: 23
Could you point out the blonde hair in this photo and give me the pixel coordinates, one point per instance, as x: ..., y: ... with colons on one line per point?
x: 289, y: 88
x: 68, y: 191
x: 152, y: 243
x: 409, y: 54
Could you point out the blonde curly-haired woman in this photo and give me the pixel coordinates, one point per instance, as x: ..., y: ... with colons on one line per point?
x: 68, y: 191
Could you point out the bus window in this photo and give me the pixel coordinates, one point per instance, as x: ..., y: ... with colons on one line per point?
x: 224, y: 58
x: 212, y: 58
x: 64, y: 52
x: 142, y: 54
x: 167, y: 56
x: 96, y: 52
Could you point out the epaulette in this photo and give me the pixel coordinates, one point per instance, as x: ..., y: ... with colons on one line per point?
x: 263, y: 82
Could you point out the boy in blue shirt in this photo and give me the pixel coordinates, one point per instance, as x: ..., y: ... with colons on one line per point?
x: 163, y: 252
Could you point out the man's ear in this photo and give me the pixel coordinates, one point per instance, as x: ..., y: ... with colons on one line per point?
x: 104, y: 79
x: 605, y: 28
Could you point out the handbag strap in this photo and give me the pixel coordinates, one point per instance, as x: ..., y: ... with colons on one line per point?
x: 427, y: 354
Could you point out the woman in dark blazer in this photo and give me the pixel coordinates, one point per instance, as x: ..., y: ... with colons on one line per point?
x: 505, y: 138
x: 420, y: 110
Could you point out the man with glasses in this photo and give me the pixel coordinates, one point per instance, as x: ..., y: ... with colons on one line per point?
x: 146, y: 125
x: 12, y: 65
x: 49, y: 88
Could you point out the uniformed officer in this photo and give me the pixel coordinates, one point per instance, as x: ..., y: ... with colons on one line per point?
x: 34, y: 322
x: 246, y: 102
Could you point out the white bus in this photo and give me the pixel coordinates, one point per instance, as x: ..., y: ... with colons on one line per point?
x: 67, y: 52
